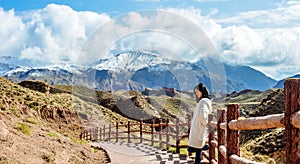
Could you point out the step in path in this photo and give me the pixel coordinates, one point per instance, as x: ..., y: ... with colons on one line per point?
x: 140, y: 153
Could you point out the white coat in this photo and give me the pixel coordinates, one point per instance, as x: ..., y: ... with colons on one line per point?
x: 198, y: 129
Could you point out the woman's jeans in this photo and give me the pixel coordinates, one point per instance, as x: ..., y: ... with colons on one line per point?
x: 198, y: 156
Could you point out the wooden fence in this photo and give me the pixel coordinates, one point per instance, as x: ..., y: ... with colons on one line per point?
x: 228, y: 126
x: 166, y: 133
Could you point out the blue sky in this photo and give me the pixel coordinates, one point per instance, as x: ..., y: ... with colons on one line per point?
x: 226, y: 7
x: 262, y: 34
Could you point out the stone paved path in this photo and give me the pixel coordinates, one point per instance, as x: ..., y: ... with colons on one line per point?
x: 121, y: 153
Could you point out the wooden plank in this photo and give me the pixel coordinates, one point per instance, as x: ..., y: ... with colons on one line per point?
x: 117, y: 132
x: 221, y: 136
x: 213, y: 124
x: 214, y: 143
x: 109, y: 131
x: 128, y: 131
x: 162, y: 124
x: 167, y: 135
x: 296, y: 120
x: 177, y: 136
x: 233, y: 113
x: 152, y: 130
x: 134, y: 131
x: 258, y: 123
x: 96, y: 134
x: 205, y: 154
x: 234, y: 159
x: 292, y: 106
x: 222, y: 152
x: 213, y: 161
x: 141, y: 131
x: 103, y: 133
x: 100, y: 134
x: 160, y: 130
x: 184, y: 136
x: 211, y: 137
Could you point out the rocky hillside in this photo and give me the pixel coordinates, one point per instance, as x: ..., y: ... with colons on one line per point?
x: 38, y: 127
x: 132, y: 105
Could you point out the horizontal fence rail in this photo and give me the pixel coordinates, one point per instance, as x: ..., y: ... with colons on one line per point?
x: 138, y: 130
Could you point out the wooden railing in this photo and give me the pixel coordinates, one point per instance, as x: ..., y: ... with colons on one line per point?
x: 166, y: 133
x: 228, y: 129
x: 228, y: 126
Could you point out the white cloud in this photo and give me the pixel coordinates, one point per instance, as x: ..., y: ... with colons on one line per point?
x: 285, y: 14
x: 275, y: 51
x: 12, y: 33
x: 56, y: 33
x: 148, y: 30
x: 52, y: 34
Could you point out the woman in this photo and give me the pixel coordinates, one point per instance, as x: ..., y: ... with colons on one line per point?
x: 198, y: 136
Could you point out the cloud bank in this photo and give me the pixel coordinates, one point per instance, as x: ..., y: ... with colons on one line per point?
x: 56, y: 34
x: 53, y: 34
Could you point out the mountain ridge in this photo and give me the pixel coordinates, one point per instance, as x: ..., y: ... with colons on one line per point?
x: 145, y: 70
x: 280, y: 83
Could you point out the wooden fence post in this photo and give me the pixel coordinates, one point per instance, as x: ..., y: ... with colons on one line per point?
x: 221, y: 136
x: 96, y: 134
x: 128, y: 131
x: 117, y: 132
x: 141, y: 131
x: 167, y: 135
x: 90, y: 134
x: 100, y: 134
x: 152, y: 131
x: 211, y: 137
x: 292, y: 105
x: 86, y: 135
x: 109, y: 132
x: 233, y: 113
x: 159, y: 132
x: 177, y: 135
x: 103, y: 132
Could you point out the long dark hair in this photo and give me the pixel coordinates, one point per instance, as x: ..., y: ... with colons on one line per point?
x: 201, y: 87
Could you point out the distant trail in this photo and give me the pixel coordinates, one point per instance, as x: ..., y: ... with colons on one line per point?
x: 121, y: 153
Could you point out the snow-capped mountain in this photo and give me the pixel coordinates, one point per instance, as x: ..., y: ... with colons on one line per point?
x: 18, y: 70
x: 130, y: 61
x: 151, y: 70
x: 137, y: 70
x: 8, y: 63
x: 9, y: 60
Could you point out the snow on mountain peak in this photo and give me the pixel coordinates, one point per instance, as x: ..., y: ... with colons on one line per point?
x: 131, y: 61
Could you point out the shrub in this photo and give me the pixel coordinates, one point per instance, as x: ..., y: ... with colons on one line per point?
x: 53, y: 134
x: 24, y: 128
x: 2, y: 107
x: 33, y: 120
x: 48, y: 157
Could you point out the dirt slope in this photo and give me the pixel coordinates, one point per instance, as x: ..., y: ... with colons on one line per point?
x: 37, y: 127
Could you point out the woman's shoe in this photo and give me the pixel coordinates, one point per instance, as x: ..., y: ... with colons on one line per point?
x: 205, y: 147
